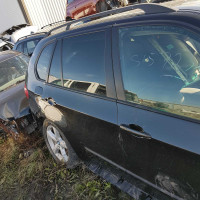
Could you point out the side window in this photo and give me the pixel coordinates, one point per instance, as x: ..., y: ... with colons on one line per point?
x: 161, y: 68
x: 44, y: 61
x: 84, y: 63
x: 29, y: 47
x: 55, y: 70
x: 20, y: 47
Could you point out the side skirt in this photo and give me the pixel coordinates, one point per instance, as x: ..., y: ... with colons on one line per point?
x: 126, y: 181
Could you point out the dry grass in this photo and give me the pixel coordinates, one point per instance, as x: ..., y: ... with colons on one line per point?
x: 27, y: 171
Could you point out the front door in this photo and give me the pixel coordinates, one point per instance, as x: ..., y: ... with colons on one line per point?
x: 159, y: 105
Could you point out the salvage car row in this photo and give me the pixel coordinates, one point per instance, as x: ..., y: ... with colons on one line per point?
x: 120, y: 91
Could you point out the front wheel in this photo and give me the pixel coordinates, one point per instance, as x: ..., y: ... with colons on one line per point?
x: 58, y: 145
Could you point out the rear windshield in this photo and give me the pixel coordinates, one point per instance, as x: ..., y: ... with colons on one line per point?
x: 12, y: 71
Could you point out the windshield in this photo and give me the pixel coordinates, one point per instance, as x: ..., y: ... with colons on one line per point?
x: 13, y: 71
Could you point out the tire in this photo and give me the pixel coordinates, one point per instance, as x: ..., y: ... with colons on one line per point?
x: 58, y: 145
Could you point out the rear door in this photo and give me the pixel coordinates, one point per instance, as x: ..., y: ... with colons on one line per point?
x: 157, y: 76
x: 87, y: 116
x: 38, y: 82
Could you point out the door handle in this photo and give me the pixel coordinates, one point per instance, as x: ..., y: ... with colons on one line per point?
x: 136, y: 130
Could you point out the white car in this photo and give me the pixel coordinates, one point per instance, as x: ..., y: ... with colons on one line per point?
x: 23, y: 32
x: 5, y: 45
x: 16, y: 32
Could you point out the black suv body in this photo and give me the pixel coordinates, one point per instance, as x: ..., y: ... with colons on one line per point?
x: 125, y: 89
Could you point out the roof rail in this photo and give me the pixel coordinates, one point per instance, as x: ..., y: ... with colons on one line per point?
x: 52, y: 24
x: 148, y: 8
x: 21, y: 38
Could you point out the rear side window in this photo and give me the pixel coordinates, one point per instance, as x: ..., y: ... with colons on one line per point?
x: 44, y: 61
x: 83, y: 62
x: 161, y: 68
x: 29, y: 47
x: 55, y: 70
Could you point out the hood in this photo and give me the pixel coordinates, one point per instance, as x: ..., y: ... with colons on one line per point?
x: 13, y: 103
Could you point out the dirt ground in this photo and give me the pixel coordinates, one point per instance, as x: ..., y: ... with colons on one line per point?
x: 28, y: 172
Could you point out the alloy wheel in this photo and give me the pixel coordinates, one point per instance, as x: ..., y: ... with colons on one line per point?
x: 57, y: 144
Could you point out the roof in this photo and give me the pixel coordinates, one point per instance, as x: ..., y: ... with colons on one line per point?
x: 175, y: 6
x: 136, y: 12
x: 48, y: 27
x: 184, y: 5
x: 5, y: 55
x: 177, y: 3
x: 35, y: 35
x: 113, y: 15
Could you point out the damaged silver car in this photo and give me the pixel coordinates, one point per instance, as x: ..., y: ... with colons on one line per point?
x: 15, y: 116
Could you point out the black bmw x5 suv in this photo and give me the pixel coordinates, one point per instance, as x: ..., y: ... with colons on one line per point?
x: 121, y: 91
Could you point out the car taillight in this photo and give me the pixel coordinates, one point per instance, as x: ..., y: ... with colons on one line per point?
x: 26, y: 91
